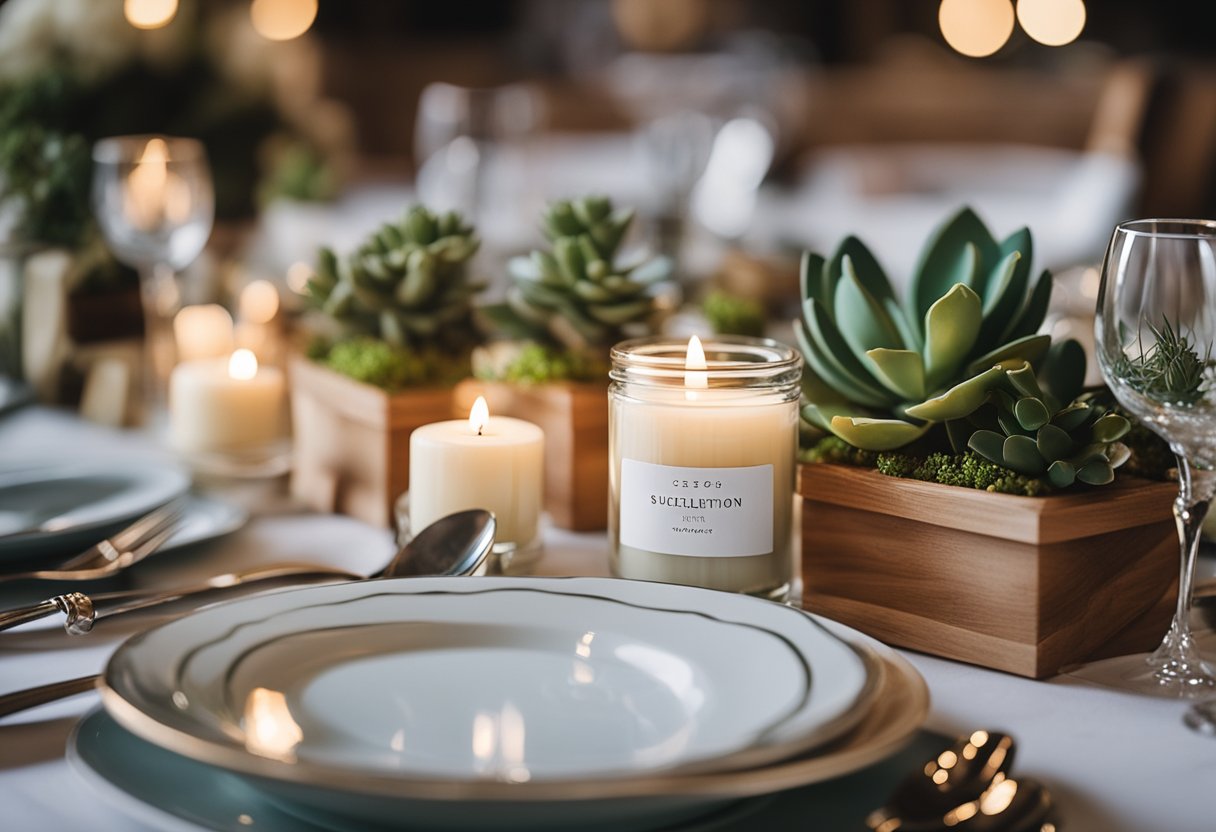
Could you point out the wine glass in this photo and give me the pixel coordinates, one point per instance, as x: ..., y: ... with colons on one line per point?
x: 153, y: 199
x: 1156, y: 331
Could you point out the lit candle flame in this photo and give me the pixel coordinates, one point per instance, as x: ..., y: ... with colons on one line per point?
x: 479, y: 415
x: 695, y: 366
x: 154, y: 193
x: 243, y: 365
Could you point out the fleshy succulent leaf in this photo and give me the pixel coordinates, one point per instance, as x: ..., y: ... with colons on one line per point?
x: 876, y: 434
x: 1097, y: 472
x: 866, y: 268
x: 836, y: 353
x: 1024, y: 381
x: 1022, y: 455
x: 944, y: 257
x: 960, y: 400
x: 1063, y: 372
x: 1110, y: 428
x: 901, y: 371
x: 1031, y: 348
x: 1032, y: 314
x: 951, y: 326
x: 1061, y: 473
x: 810, y: 278
x: 988, y: 444
x: 1031, y: 413
x: 863, y: 322
x: 1002, y: 299
x: 1071, y: 417
x: 1054, y: 442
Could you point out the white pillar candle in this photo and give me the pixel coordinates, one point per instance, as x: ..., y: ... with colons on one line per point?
x: 230, y: 405
x: 483, y: 462
x: 203, y: 331
x: 702, y: 471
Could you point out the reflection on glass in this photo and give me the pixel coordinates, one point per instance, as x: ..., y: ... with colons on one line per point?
x: 500, y: 744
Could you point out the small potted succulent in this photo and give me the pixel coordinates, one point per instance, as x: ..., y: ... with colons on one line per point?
x: 1042, y: 557
x: 565, y: 309
x: 393, y: 334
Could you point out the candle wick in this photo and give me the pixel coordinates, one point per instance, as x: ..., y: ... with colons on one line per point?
x: 480, y: 428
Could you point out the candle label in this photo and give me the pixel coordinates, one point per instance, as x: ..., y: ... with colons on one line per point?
x: 702, y: 512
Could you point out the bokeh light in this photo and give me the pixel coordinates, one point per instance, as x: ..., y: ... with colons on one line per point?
x: 282, y: 19
x: 1052, y: 22
x: 976, y: 28
x: 149, y: 14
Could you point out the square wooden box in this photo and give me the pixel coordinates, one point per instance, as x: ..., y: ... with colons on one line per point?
x: 352, y: 440
x: 574, y: 417
x: 1023, y: 584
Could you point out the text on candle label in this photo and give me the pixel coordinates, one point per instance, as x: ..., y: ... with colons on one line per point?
x: 735, y: 519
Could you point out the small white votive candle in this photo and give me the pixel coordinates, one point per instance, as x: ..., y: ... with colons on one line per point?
x: 227, y: 404
x: 483, y: 462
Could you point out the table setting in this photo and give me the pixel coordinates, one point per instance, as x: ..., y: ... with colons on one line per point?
x: 491, y: 502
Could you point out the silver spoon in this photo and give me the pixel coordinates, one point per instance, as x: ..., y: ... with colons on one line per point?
x: 454, y: 545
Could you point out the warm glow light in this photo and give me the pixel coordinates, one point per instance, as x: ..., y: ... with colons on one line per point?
x: 259, y: 302
x: 243, y: 365
x: 976, y: 28
x: 202, y: 330
x: 998, y: 797
x: 282, y: 19
x: 270, y: 730
x: 149, y: 14
x: 694, y: 365
x: 479, y: 415
x: 298, y: 275
x: 1052, y: 22
x: 154, y: 193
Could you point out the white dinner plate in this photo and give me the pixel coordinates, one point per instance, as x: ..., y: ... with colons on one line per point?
x: 171, y: 791
x: 489, y: 680
x: 64, y: 509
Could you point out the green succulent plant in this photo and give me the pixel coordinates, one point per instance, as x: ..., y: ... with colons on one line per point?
x: 407, y: 284
x: 881, y: 372
x: 578, y: 295
x: 1024, y: 428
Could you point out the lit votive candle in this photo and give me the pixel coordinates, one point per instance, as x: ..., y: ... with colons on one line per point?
x: 226, y: 405
x: 493, y: 463
x: 203, y: 331
x: 257, y: 326
x: 702, y: 444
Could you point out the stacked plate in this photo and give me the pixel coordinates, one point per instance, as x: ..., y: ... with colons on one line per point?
x: 48, y: 514
x: 509, y: 703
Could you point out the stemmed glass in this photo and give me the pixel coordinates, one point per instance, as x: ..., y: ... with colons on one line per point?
x: 1156, y: 331
x: 153, y: 199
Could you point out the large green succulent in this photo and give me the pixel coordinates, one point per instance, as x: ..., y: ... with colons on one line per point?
x: 407, y: 284
x: 578, y: 295
x: 881, y: 372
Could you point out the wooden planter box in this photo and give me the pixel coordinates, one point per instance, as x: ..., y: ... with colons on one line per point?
x: 1023, y: 584
x: 574, y: 418
x: 352, y: 440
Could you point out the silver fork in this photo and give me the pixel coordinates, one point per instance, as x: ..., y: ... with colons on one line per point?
x: 111, y: 556
x: 75, y: 605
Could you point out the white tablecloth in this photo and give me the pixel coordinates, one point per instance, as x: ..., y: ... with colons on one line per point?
x: 1116, y: 762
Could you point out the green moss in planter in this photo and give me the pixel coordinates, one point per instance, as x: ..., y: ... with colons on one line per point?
x: 731, y: 315
x: 533, y: 363
x: 391, y: 368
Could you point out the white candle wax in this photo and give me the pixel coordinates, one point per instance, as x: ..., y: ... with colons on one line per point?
x: 225, y: 405
x: 454, y: 467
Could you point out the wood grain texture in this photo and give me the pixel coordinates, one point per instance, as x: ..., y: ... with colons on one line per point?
x: 1016, y: 587
x: 352, y: 440
x: 574, y: 418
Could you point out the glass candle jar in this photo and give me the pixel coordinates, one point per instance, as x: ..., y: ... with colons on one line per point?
x: 703, y: 441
